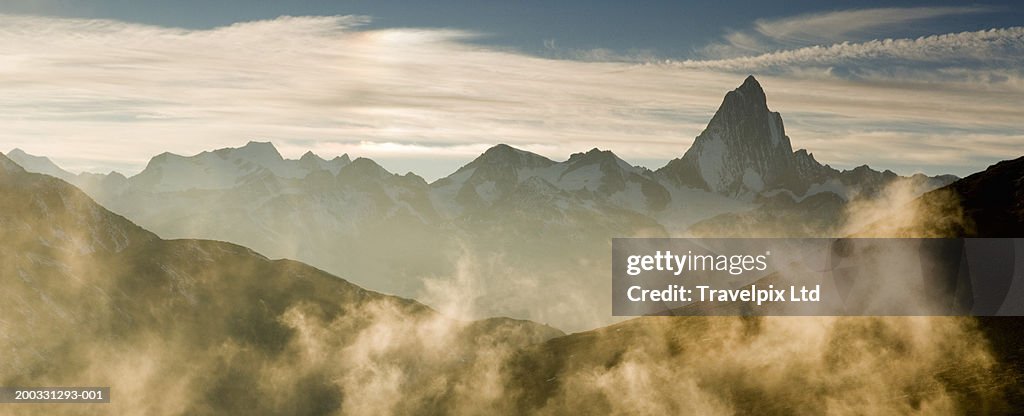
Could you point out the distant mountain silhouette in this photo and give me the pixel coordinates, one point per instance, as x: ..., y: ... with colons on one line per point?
x: 391, y: 232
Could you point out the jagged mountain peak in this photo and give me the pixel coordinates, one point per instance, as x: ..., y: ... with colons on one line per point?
x: 748, y: 101
x: 312, y: 162
x: 750, y: 86
x: 809, y: 169
x: 744, y: 150
x: 747, y: 104
x: 605, y: 158
x: 592, y: 154
x: 310, y: 156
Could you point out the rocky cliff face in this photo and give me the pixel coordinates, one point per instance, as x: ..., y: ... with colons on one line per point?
x: 743, y: 150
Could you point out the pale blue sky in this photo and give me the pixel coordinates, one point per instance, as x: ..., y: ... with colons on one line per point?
x: 674, y: 29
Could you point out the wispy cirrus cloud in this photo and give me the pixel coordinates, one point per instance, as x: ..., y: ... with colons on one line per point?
x: 100, y: 94
x: 980, y: 47
x: 768, y: 35
x: 846, y: 25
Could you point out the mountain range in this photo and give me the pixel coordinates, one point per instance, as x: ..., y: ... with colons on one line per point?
x: 180, y: 325
x: 547, y: 219
x: 205, y: 327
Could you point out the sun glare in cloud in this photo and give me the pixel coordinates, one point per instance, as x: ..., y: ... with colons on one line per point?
x: 100, y: 95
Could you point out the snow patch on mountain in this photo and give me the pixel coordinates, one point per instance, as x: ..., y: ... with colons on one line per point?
x: 752, y: 180
x: 711, y: 163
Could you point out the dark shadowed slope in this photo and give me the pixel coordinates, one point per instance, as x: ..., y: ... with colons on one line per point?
x: 991, y: 201
x: 989, y: 204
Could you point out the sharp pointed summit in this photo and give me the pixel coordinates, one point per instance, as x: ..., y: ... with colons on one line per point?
x: 749, y: 95
x: 743, y: 151
x: 750, y: 84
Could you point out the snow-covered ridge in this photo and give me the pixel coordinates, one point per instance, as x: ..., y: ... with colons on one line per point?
x: 596, y: 174
x: 227, y: 168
